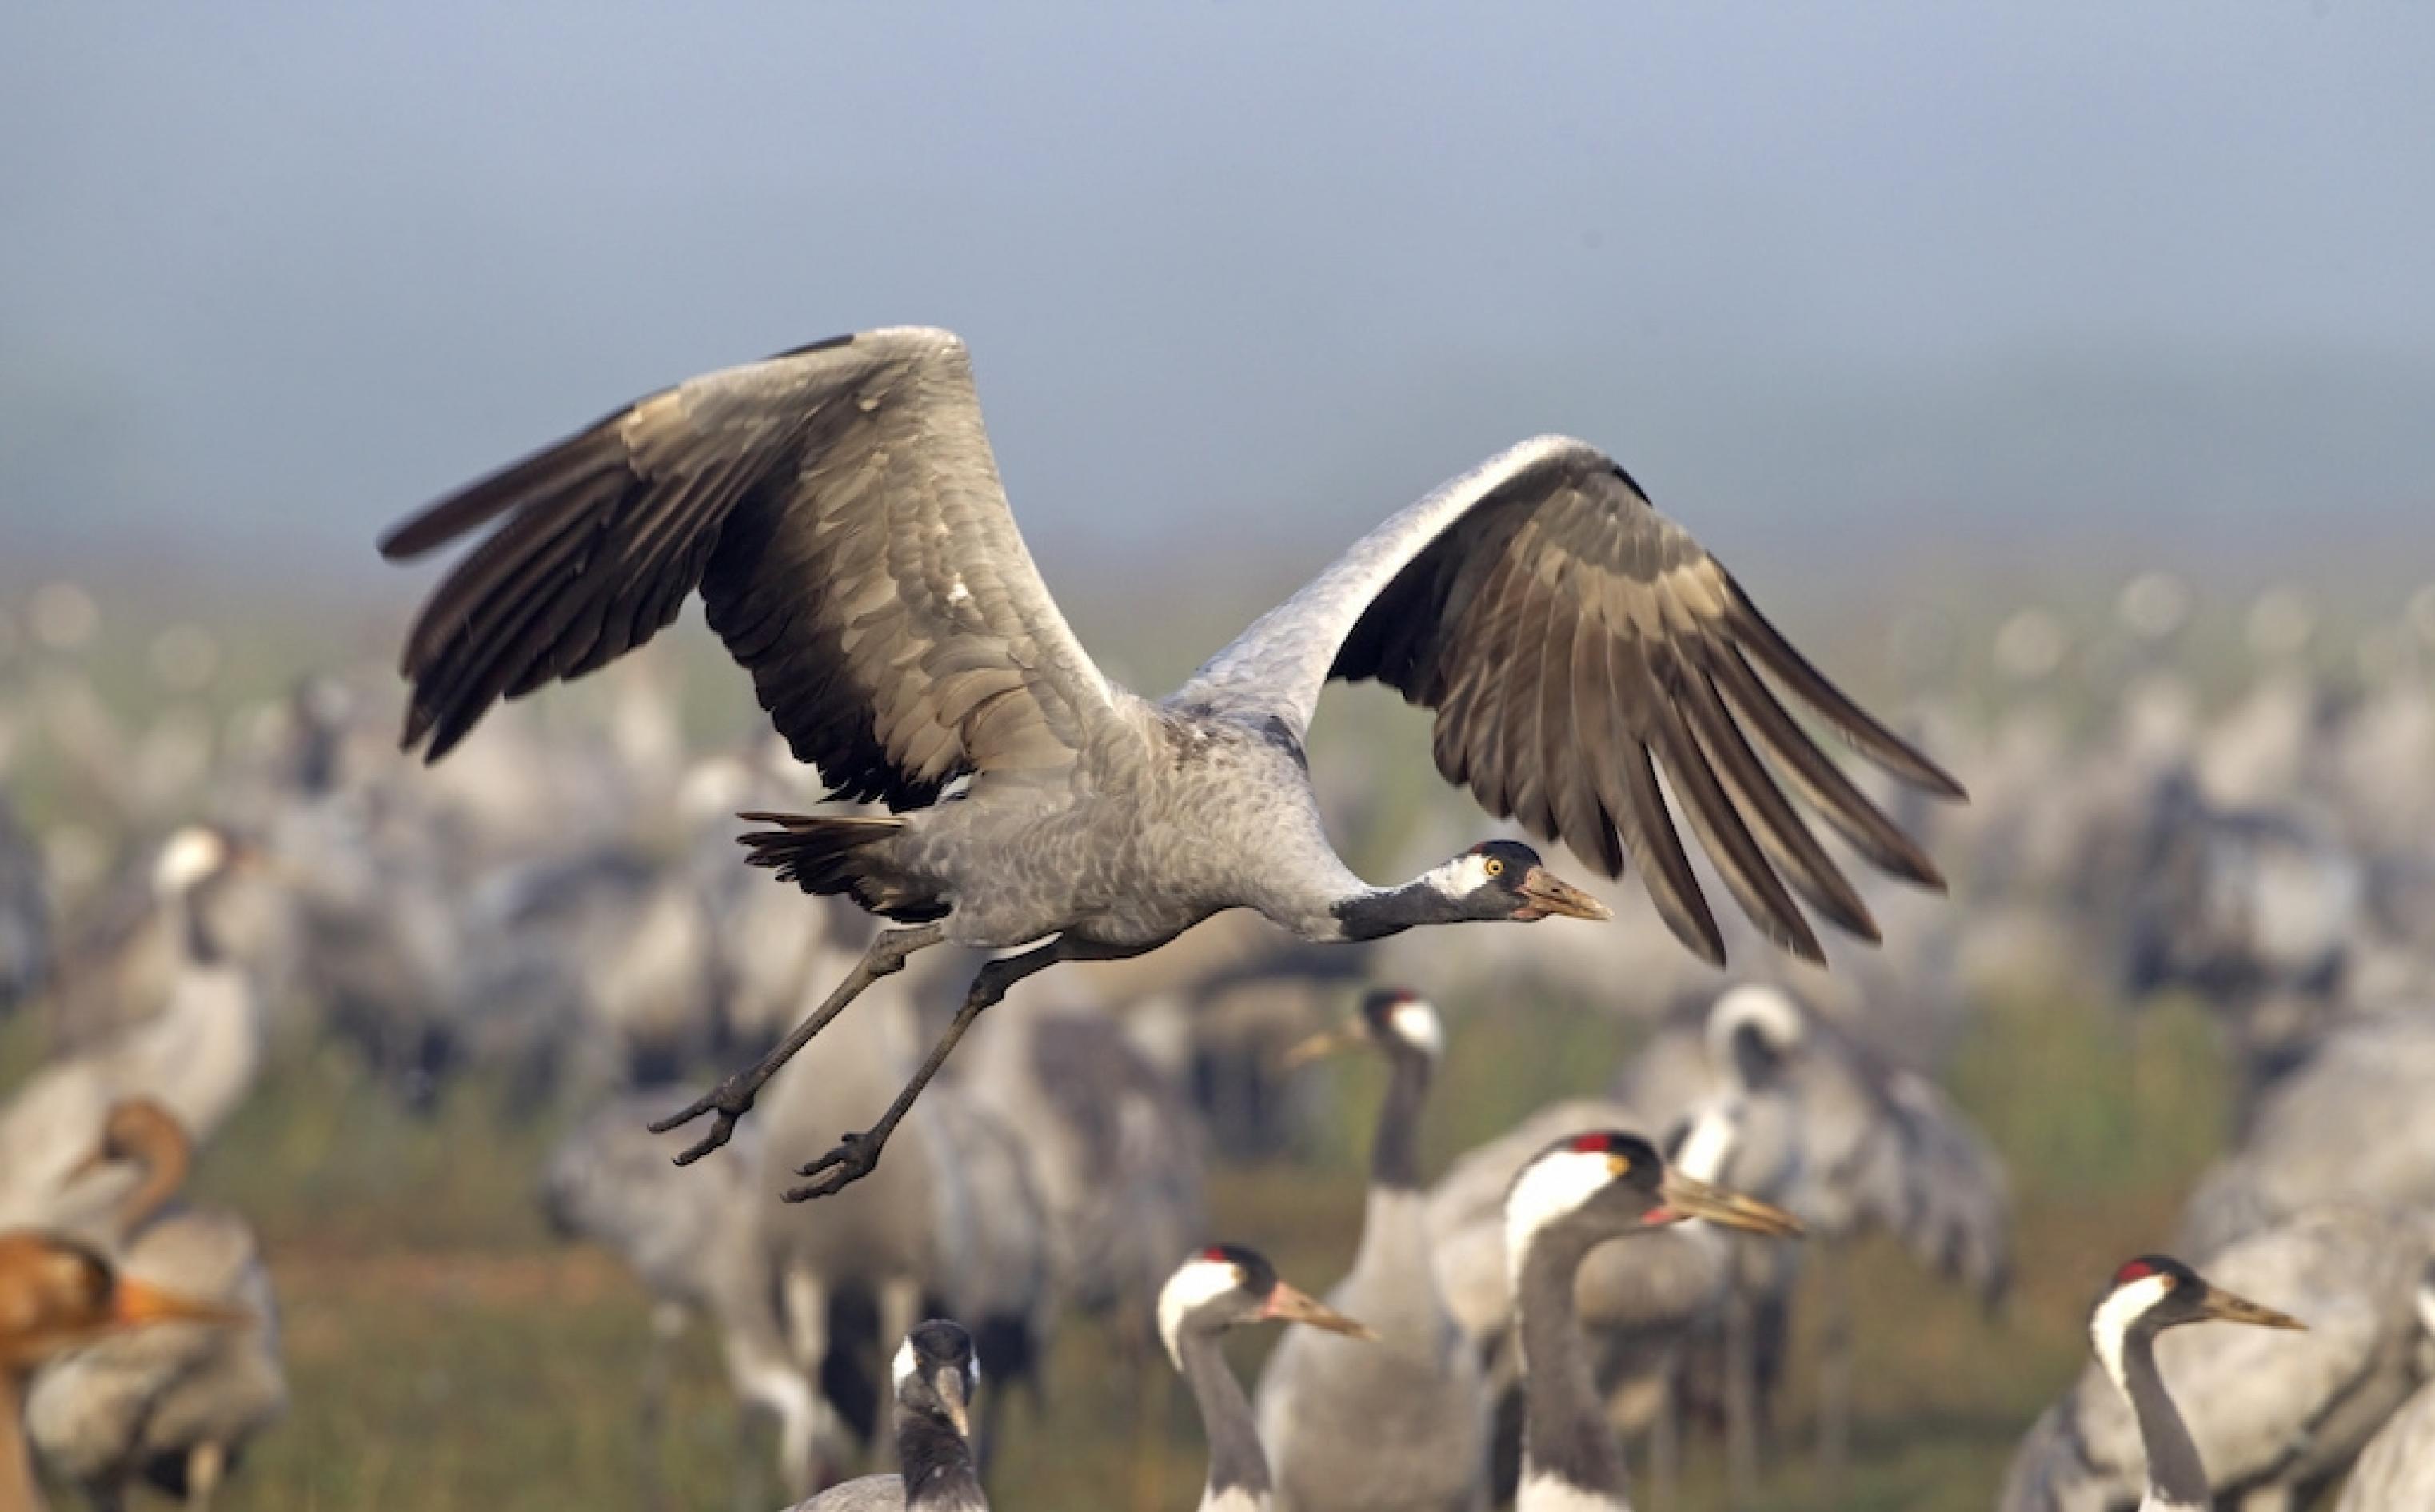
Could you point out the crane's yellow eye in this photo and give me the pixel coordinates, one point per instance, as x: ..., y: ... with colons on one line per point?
x: 1495, y: 867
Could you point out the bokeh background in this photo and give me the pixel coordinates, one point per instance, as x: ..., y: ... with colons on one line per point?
x: 2059, y: 374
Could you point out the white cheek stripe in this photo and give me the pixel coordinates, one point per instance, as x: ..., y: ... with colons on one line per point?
x: 1548, y: 1189
x: 1417, y: 1024
x: 1551, y: 1493
x: 2111, y: 1326
x: 1193, y: 1284
x: 1708, y: 1148
x: 902, y: 1368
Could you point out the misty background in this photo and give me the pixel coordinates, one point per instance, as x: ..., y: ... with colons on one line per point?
x: 1979, y: 291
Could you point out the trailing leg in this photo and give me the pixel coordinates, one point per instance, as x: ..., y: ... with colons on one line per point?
x: 857, y: 1155
x: 733, y: 1097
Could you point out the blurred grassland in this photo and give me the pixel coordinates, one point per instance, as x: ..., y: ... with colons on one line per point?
x: 446, y: 1352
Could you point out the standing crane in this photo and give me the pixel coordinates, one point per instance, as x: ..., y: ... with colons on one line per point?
x: 176, y: 1406
x: 57, y: 1295
x: 2277, y: 1418
x: 2147, y: 1296
x: 1221, y: 1288
x: 1399, y: 1425
x: 936, y: 1372
x: 1578, y: 1194
x: 839, y: 512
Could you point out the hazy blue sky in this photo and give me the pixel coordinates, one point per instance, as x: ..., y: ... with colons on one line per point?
x: 271, y: 275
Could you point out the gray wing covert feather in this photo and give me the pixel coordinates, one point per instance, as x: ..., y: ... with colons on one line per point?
x: 839, y: 512
x: 1573, y: 643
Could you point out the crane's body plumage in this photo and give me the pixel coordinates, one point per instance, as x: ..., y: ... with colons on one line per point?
x: 838, y: 511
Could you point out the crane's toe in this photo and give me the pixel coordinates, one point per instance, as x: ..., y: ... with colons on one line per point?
x: 730, y: 1100
x: 855, y: 1156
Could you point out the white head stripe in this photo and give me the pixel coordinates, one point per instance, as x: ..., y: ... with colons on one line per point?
x: 1196, y: 1282
x: 192, y: 854
x: 1708, y: 1148
x: 902, y: 1369
x: 1465, y: 874
x: 2112, y: 1323
x: 1550, y: 1188
x: 1417, y: 1024
x: 1757, y: 1005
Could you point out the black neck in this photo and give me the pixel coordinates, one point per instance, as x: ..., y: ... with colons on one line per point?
x: 201, y: 948
x: 2175, y: 1474
x: 1383, y: 911
x: 1395, y: 1153
x: 1236, y: 1462
x: 937, y: 1463
x: 1565, y: 1435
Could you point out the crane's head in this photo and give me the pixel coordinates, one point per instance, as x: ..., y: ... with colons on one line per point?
x: 1396, y: 1019
x: 2156, y: 1292
x: 1226, y: 1285
x: 56, y: 1295
x: 1505, y: 880
x: 1606, y: 1182
x: 936, y: 1373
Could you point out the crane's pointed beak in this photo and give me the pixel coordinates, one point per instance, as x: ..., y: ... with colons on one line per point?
x: 1545, y: 895
x: 2219, y: 1303
x: 1319, y: 1047
x: 134, y: 1304
x: 1687, y: 1197
x: 949, y: 1384
x: 1288, y: 1305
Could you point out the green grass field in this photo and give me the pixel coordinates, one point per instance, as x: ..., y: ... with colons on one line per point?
x: 446, y: 1352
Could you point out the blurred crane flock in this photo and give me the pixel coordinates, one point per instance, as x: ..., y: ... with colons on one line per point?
x: 405, y: 1028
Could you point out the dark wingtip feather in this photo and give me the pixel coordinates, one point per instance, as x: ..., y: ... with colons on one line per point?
x: 1892, y: 754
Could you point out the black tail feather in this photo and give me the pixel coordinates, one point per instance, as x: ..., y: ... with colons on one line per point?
x: 820, y: 853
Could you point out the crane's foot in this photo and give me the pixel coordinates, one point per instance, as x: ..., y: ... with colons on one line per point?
x: 730, y: 1100
x: 855, y: 1156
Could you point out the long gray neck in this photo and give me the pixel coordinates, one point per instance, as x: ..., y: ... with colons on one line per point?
x: 2176, y: 1477
x: 1238, y: 1469
x: 1565, y: 1438
x: 1395, y: 1153
x: 937, y: 1465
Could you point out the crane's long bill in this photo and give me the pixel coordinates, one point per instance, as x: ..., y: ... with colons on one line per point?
x: 2219, y: 1303
x: 1689, y: 1198
x: 132, y: 1304
x: 952, y: 1396
x: 1545, y: 895
x: 1319, y: 1047
x: 1290, y: 1305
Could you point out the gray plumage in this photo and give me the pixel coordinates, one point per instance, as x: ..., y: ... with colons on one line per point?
x: 2353, y: 1122
x: 25, y: 913
x: 1402, y: 1422
x: 2396, y: 1472
x: 697, y: 1247
x: 2268, y: 1412
x: 1114, y: 1152
x: 839, y: 510
x: 1466, y: 1215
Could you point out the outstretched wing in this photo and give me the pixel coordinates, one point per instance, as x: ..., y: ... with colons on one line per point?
x: 1573, y: 641
x: 838, y: 508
